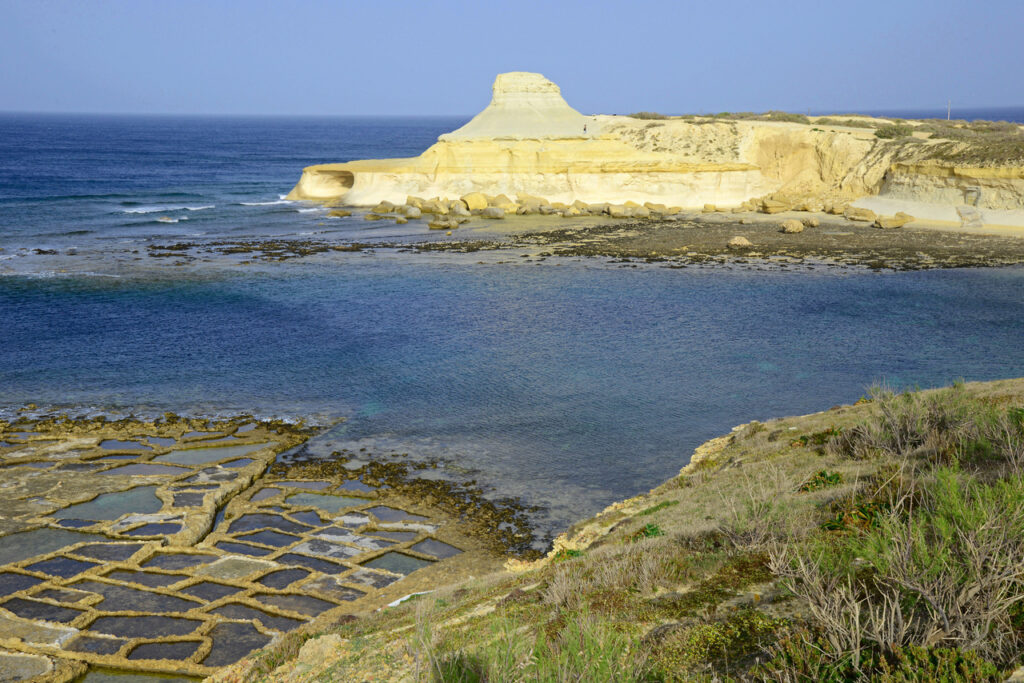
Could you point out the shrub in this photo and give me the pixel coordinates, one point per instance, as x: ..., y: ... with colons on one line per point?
x: 647, y: 531
x: 822, y: 479
x: 946, y: 573
x: 893, y: 131
x: 786, y: 116
x: 849, y: 123
x: 802, y: 657
x: 724, y: 645
x: 647, y: 115
x: 932, y: 425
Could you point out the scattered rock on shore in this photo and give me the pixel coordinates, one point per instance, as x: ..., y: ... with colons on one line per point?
x: 739, y: 242
x: 791, y: 226
x: 890, y: 222
x: 852, y: 213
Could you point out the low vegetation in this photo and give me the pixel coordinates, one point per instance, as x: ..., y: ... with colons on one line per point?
x: 881, y: 541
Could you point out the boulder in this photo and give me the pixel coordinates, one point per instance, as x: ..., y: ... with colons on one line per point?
x: 673, y: 210
x: 409, y: 211
x: 458, y: 208
x: 710, y: 208
x: 493, y: 212
x: 384, y: 207
x: 660, y: 208
x: 811, y: 222
x: 773, y: 206
x: 548, y: 210
x: 442, y: 224
x: 372, y: 217
x: 616, y: 211
x: 631, y: 205
x: 435, y: 206
x: 339, y: 213
x: 475, y: 201
x: 746, y: 221
x: 891, y: 222
x: 791, y: 226
x: 418, y: 202
x: 641, y: 212
x: 503, y: 202
x: 852, y: 213
x: 739, y: 242
x: 401, y: 220
x: 836, y: 209
x: 571, y: 211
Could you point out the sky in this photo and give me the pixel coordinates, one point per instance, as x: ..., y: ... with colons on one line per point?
x: 373, y: 57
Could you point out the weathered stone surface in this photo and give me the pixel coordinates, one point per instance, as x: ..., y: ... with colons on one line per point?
x: 20, y: 667
x: 475, y: 201
x: 791, y: 226
x: 739, y: 242
x: 773, y: 206
x: 890, y: 222
x: 852, y: 213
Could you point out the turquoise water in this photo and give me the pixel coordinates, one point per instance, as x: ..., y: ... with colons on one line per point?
x: 571, y: 383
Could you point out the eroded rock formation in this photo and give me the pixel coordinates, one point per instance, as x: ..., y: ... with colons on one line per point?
x: 529, y: 145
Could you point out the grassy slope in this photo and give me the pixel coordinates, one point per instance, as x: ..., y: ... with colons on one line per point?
x: 748, y: 566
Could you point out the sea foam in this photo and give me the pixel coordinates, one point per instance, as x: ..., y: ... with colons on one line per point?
x: 160, y: 209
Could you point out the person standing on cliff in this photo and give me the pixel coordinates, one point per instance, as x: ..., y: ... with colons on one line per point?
x: 584, y: 129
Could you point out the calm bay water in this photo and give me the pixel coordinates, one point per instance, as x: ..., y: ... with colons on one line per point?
x: 571, y: 383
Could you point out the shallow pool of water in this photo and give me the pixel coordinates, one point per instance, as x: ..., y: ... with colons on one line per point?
x: 109, y: 506
x: 200, y: 456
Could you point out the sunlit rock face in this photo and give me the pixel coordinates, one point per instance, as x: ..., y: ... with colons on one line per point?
x: 530, y: 141
x: 523, y: 106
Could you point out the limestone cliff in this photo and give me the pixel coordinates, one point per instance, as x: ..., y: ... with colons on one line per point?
x: 529, y: 141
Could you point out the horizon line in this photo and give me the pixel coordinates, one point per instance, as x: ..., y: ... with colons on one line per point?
x: 703, y: 112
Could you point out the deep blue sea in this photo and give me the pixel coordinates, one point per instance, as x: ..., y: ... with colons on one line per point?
x: 571, y: 383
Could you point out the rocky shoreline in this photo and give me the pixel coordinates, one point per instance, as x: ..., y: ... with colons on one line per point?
x: 179, y: 545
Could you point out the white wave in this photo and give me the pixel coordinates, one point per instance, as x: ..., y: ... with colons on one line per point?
x: 163, y: 209
x: 282, y: 200
x: 168, y: 219
x: 316, y: 208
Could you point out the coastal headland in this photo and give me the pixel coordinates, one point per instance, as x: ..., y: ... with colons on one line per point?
x: 529, y: 152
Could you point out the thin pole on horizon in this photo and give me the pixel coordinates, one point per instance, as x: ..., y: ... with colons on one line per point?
x: 949, y: 108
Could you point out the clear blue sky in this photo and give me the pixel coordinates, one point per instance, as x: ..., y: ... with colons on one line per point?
x: 440, y: 57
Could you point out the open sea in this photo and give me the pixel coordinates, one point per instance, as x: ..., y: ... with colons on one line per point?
x: 569, y: 382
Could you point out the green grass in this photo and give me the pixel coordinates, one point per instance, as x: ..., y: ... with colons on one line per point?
x: 660, y: 506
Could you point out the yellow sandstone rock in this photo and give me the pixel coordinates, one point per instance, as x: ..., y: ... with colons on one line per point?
x: 852, y: 213
x: 475, y: 201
